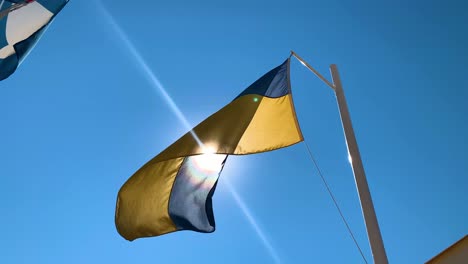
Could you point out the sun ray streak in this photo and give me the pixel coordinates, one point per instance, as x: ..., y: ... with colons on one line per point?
x: 157, y: 84
x: 149, y: 74
x: 253, y: 223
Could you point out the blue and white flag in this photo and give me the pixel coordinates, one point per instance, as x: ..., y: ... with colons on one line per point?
x: 22, y: 23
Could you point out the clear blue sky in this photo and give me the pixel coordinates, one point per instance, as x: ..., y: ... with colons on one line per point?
x: 80, y: 116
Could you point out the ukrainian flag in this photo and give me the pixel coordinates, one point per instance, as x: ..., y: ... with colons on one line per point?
x: 174, y: 190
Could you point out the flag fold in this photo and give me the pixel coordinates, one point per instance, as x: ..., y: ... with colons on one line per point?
x: 22, y: 23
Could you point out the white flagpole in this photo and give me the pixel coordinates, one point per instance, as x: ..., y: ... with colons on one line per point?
x: 372, y: 225
x: 370, y: 218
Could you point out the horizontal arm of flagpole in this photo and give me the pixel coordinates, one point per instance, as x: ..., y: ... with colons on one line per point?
x: 313, y: 70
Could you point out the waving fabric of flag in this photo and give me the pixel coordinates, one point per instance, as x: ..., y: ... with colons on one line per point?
x: 22, y: 22
x: 174, y: 190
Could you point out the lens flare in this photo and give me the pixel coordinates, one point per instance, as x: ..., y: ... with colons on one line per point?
x: 149, y: 74
x: 203, y: 170
x: 209, y: 161
x: 250, y: 218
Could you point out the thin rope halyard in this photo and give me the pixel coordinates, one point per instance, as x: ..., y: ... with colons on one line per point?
x: 334, y: 200
x: 303, y: 62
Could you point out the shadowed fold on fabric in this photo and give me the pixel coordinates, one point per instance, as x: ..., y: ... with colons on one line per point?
x: 174, y: 190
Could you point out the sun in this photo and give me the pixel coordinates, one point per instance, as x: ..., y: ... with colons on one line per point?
x: 209, y: 160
